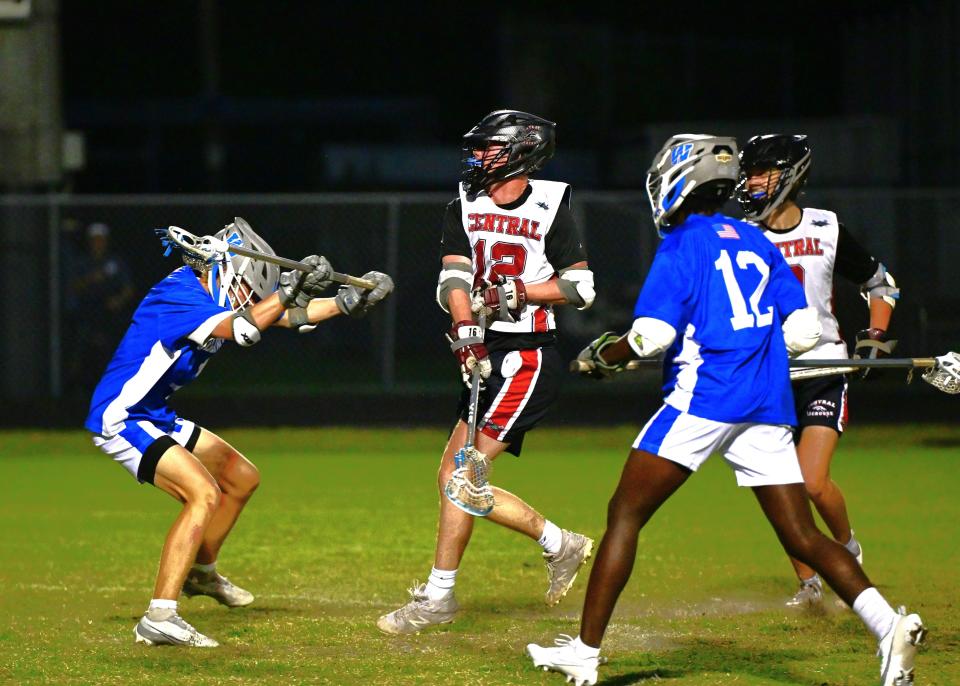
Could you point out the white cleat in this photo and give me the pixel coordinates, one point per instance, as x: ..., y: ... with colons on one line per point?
x: 898, y: 649
x: 217, y: 587
x: 563, y: 567
x: 166, y: 627
x: 581, y: 671
x: 419, y: 613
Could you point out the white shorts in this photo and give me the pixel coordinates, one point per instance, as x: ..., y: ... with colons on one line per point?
x: 140, y: 445
x: 760, y: 454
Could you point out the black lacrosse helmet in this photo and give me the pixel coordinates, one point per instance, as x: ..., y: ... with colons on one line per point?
x: 528, y: 142
x: 788, y: 153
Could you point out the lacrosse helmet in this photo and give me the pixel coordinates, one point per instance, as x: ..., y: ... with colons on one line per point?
x: 690, y: 166
x: 236, y: 279
x: 787, y: 153
x: 525, y: 143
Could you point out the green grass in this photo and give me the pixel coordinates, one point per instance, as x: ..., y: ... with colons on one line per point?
x: 345, y: 520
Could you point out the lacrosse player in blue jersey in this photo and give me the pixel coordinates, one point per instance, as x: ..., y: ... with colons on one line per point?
x: 724, y: 309
x: 180, y: 324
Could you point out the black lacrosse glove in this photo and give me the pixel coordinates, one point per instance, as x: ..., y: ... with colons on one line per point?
x: 356, y: 302
x: 601, y: 369
x: 872, y: 344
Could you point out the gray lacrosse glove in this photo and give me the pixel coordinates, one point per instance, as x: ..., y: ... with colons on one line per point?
x: 356, y: 302
x: 601, y: 369
x: 319, y: 279
x: 291, y: 289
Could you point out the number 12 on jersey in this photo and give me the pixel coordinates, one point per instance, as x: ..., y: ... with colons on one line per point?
x: 742, y: 319
x: 506, y: 259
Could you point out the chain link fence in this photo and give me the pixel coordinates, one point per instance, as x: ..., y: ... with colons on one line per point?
x: 74, y: 268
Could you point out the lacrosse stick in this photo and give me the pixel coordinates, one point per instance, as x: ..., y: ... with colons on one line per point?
x: 210, y: 249
x: 943, y: 372
x: 468, y: 487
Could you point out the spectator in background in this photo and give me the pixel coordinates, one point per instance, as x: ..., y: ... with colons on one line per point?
x: 99, y: 295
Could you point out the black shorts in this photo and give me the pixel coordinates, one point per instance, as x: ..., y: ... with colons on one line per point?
x: 512, y: 405
x: 822, y: 402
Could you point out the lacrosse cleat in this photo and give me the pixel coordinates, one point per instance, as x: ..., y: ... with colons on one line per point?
x: 809, y: 594
x: 563, y: 658
x: 419, y: 613
x: 166, y: 627
x: 898, y: 648
x: 563, y: 566
x: 217, y: 587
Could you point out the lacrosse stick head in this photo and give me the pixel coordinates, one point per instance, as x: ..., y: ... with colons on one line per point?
x: 468, y: 487
x: 945, y: 373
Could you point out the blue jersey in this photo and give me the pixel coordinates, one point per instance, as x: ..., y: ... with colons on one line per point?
x: 726, y: 289
x: 164, y: 349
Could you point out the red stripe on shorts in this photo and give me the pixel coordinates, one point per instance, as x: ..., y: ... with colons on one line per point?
x: 509, y: 401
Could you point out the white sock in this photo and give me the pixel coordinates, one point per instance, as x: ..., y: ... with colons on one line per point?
x: 205, y: 569
x: 550, y: 538
x: 162, y: 604
x: 440, y: 583
x: 875, y: 612
x: 812, y: 581
x: 581, y: 649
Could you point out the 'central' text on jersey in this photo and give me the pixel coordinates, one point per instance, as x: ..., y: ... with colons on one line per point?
x: 505, y: 224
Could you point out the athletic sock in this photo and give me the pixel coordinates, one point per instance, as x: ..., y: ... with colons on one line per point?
x: 205, y: 570
x: 812, y: 581
x: 440, y: 583
x: 852, y: 545
x: 550, y: 538
x: 875, y: 612
x: 162, y: 604
x: 581, y: 649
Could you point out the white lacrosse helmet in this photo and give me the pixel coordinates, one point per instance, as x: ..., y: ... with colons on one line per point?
x: 687, y: 165
x: 236, y: 279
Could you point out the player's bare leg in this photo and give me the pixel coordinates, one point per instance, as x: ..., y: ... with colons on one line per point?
x: 237, y: 478
x: 182, y: 476
x: 898, y: 633
x: 434, y: 602
x: 815, y: 452
x: 788, y: 510
x: 647, y: 481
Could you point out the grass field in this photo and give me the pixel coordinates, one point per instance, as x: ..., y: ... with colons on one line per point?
x: 344, y: 521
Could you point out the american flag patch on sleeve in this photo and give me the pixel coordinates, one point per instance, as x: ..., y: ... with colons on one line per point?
x: 727, y: 231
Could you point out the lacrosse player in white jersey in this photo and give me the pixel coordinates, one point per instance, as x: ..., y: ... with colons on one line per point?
x: 182, y: 322
x: 773, y: 169
x: 510, y: 248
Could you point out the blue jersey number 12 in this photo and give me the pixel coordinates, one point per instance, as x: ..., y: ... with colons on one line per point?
x: 742, y: 319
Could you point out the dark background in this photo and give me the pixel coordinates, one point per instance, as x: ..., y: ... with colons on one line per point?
x: 276, y: 87
x: 335, y: 128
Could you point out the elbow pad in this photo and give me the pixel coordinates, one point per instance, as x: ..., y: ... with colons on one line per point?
x: 245, y: 331
x: 453, y: 277
x: 649, y: 337
x: 881, y: 285
x: 802, y: 330
x: 576, y: 285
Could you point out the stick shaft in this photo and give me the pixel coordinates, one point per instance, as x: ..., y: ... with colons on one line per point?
x: 840, y: 366
x: 474, y: 393
x: 300, y: 266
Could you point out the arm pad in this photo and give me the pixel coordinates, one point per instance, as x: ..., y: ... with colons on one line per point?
x: 453, y: 276
x: 649, y: 337
x: 245, y: 331
x: 801, y: 330
x: 881, y: 285
x: 576, y: 285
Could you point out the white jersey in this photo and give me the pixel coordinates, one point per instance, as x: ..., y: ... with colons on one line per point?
x: 512, y: 243
x: 810, y: 249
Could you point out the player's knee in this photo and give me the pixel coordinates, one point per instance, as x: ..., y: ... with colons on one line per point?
x: 205, y: 494
x: 246, y: 480
x: 802, y: 544
x: 816, y: 488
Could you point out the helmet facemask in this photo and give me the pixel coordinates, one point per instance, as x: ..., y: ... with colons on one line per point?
x: 239, y: 280
x: 790, y: 155
x: 523, y: 144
